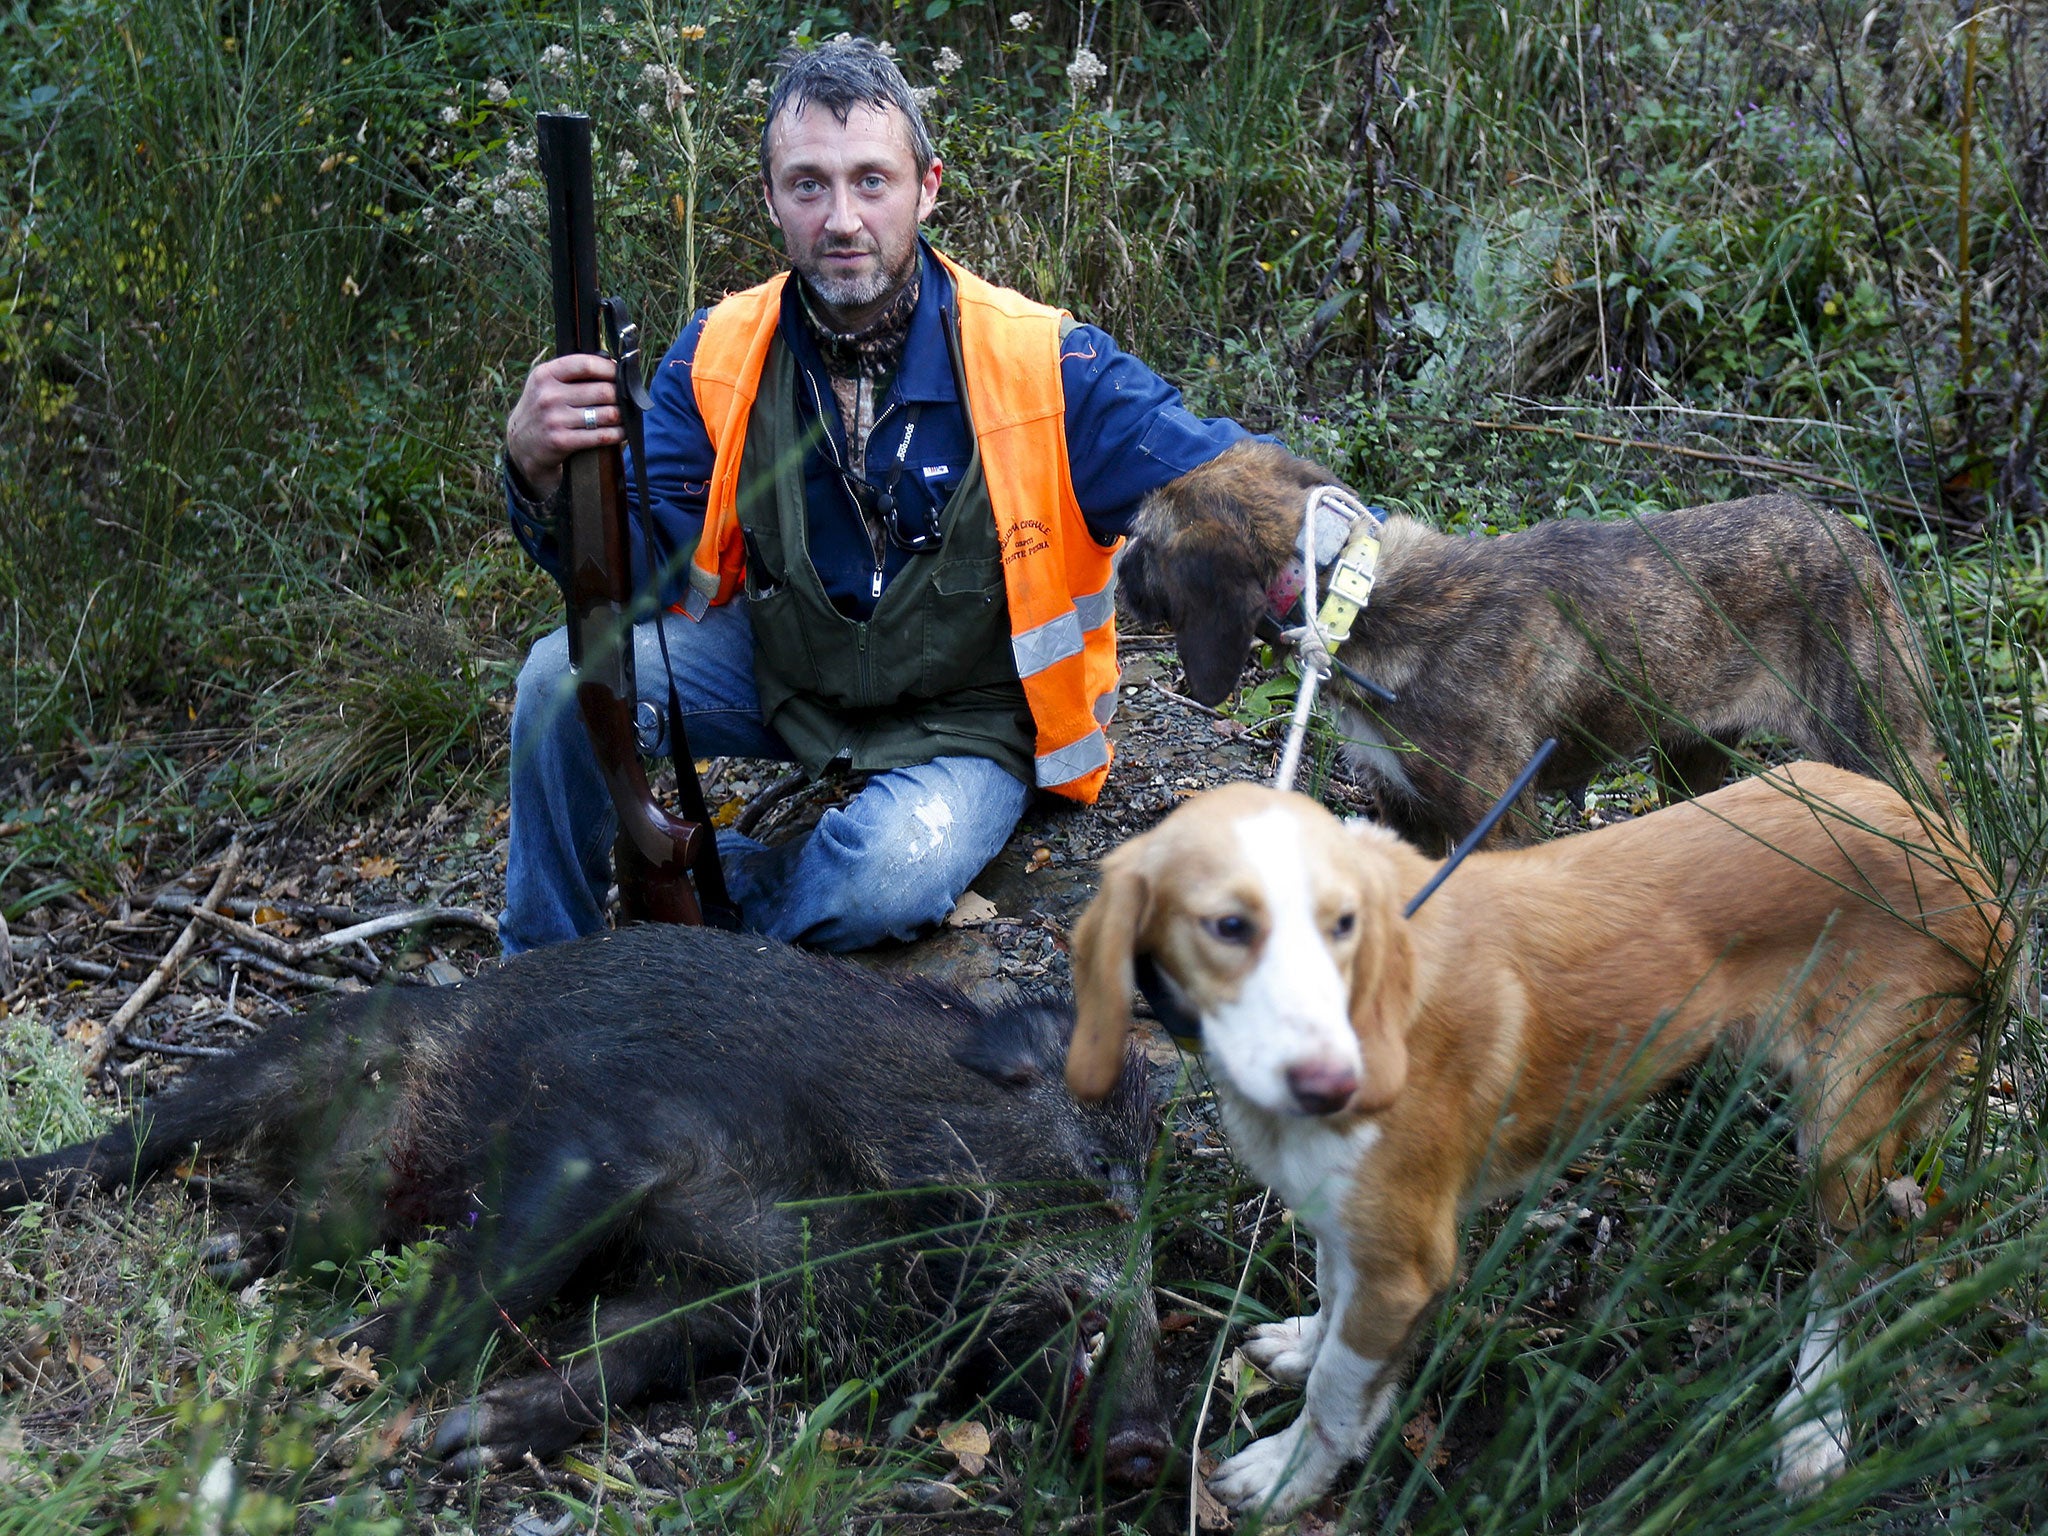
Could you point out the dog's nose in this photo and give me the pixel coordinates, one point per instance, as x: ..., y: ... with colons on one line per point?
x: 1321, y: 1087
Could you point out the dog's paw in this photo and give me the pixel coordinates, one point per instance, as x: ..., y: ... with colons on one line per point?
x: 1812, y: 1454
x: 1276, y: 1476
x: 1285, y: 1351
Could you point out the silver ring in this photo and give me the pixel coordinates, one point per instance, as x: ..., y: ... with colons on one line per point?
x: 589, y: 417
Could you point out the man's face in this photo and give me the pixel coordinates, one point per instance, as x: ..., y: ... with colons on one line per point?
x: 848, y: 199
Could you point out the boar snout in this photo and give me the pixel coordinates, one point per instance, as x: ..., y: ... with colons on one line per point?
x: 1136, y: 1455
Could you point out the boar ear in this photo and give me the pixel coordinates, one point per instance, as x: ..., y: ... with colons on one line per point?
x: 1105, y: 944
x: 1015, y: 1046
x: 1382, y: 1002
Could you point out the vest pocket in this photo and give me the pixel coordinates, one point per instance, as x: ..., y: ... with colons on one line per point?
x: 782, y: 643
x: 966, y: 628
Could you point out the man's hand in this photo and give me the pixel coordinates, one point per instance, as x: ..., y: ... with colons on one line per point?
x: 548, y: 423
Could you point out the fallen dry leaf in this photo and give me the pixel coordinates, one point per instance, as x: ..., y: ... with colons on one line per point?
x: 973, y: 907
x: 1418, y: 1433
x: 91, y: 1367
x: 1211, y: 1514
x: 969, y: 1443
x: 833, y: 1440
x: 392, y: 1435
x: 277, y: 917
x: 377, y: 868
x: 355, y: 1372
x: 1244, y: 1379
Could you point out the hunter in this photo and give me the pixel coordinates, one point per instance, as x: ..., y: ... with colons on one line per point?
x: 885, y: 500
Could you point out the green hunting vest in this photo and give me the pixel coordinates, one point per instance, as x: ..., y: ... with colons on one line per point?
x: 929, y: 674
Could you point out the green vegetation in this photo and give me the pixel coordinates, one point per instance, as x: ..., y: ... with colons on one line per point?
x: 272, y: 272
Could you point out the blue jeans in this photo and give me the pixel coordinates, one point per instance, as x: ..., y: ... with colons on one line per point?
x: 890, y: 864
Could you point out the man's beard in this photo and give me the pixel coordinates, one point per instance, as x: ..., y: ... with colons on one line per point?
x: 853, y: 292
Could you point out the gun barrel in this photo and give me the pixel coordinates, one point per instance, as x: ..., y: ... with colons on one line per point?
x: 565, y: 163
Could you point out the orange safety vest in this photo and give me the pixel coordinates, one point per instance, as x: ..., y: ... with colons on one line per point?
x: 1060, y: 583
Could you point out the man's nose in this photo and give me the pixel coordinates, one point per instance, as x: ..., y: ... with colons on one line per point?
x: 842, y: 217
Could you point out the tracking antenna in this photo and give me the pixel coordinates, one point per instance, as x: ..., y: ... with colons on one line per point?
x: 1486, y: 825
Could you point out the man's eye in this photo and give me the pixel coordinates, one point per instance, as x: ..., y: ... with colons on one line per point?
x: 1231, y: 929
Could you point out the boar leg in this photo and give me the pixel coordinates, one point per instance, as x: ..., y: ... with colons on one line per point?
x: 531, y: 1236
x: 632, y: 1348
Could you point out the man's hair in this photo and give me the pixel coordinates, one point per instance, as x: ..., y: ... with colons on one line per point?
x: 840, y: 75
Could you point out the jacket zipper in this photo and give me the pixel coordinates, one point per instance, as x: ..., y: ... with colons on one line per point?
x: 877, y: 540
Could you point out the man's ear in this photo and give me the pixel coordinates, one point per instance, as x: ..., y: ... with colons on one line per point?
x: 1382, y: 1002
x: 1105, y: 944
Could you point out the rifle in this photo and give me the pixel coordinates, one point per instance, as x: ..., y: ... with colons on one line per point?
x: 656, y: 854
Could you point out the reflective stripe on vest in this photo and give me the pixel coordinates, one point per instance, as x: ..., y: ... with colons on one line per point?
x: 1060, y: 584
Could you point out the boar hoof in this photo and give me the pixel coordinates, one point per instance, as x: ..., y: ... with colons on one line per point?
x: 500, y: 1427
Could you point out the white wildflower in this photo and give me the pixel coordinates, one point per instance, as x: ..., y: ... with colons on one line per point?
x: 608, y: 16
x: 1021, y: 20
x: 465, y: 205
x: 451, y: 116
x: 923, y: 95
x: 628, y: 164
x: 428, y: 214
x: 645, y: 111
x: 947, y: 63
x: 842, y: 37
x: 626, y: 48
x: 554, y: 59
x: 523, y: 152
x: 756, y: 89
x: 1085, y: 71
x: 497, y: 92
x: 887, y: 50
x: 502, y: 207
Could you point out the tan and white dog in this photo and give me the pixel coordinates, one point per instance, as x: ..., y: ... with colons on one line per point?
x: 1385, y: 1074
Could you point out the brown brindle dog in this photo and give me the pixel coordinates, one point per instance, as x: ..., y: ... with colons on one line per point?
x: 1683, y: 632
x: 1385, y: 1074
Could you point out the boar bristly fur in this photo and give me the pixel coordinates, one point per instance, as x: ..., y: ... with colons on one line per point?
x: 733, y: 1142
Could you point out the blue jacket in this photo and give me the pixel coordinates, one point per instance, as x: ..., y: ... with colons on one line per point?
x: 1127, y: 434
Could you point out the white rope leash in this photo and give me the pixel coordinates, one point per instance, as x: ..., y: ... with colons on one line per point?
x: 1312, y: 651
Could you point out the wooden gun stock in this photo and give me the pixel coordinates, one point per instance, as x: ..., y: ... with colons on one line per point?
x: 656, y: 853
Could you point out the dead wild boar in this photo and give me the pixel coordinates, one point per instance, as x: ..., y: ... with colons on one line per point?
x: 731, y: 1142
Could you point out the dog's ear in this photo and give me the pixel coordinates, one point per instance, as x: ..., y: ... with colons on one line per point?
x: 1105, y: 945
x: 1382, y: 1003
x: 1212, y: 630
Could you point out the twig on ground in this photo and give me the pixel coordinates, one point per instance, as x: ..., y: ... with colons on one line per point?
x: 341, y: 938
x: 165, y: 1048
x: 1742, y: 460
x: 285, y: 972
x: 99, y: 1045
x: 766, y: 801
x: 1181, y: 698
